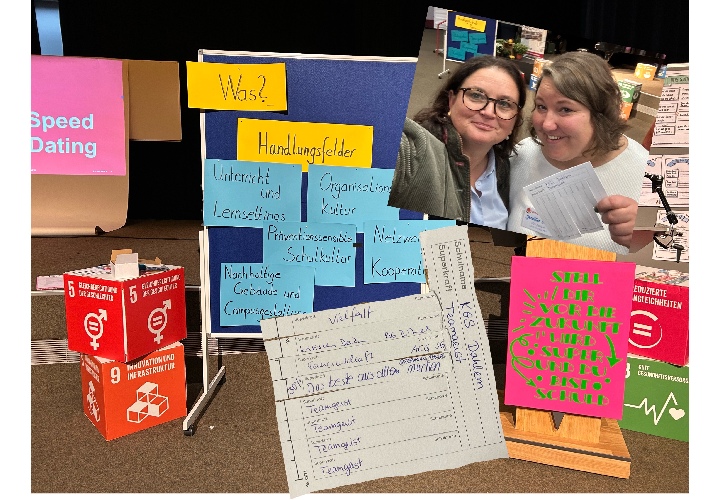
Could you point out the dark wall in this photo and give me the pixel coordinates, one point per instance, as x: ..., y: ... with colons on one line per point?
x: 165, y: 177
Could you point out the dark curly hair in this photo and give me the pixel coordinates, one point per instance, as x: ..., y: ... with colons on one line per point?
x: 437, y: 112
x: 587, y: 78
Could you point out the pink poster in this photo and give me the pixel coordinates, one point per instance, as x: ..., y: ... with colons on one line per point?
x: 77, y: 118
x: 568, y: 335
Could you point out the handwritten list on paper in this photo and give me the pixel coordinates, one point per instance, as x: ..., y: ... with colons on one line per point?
x: 385, y: 388
x: 672, y: 121
x: 675, y: 170
x: 245, y: 194
x: 565, y: 202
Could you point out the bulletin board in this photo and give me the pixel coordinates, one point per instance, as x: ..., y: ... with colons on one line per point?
x: 468, y: 36
x: 320, y: 89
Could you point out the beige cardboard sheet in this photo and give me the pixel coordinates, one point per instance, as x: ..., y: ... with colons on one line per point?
x: 154, y: 100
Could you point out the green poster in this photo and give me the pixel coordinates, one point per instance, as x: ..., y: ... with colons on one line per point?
x: 657, y: 399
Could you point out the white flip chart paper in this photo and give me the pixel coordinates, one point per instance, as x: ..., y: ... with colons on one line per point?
x: 387, y: 388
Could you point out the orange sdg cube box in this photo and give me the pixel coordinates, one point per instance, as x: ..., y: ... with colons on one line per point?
x: 122, y: 398
x: 124, y: 318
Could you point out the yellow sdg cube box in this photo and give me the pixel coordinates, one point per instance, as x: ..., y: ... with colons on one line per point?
x: 646, y: 71
x: 124, y: 317
x: 123, y: 398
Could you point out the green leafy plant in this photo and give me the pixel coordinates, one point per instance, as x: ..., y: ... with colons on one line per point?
x: 519, y: 49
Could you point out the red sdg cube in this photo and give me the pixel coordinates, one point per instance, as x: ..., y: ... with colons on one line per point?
x: 122, y: 398
x: 122, y: 319
x: 660, y: 322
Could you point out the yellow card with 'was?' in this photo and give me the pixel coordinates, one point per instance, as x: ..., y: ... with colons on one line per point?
x: 241, y: 87
x: 470, y: 24
x: 305, y: 143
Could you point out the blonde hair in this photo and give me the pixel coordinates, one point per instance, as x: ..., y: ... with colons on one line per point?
x: 587, y: 78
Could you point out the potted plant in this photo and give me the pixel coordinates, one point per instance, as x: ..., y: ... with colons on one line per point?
x: 519, y: 50
x: 502, y: 48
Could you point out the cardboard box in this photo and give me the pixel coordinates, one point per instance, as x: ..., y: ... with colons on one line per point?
x: 122, y: 398
x: 538, y: 66
x: 626, y: 111
x: 659, y: 326
x: 533, y: 82
x: 646, y: 71
x: 124, y: 318
x: 657, y: 399
x: 630, y: 90
x: 536, y: 72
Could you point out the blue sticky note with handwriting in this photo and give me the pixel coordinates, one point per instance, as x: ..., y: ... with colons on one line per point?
x: 346, y: 195
x: 478, y: 39
x: 459, y: 35
x: 328, y: 248
x: 392, y: 250
x: 246, y: 193
x: 250, y: 292
x: 456, y: 54
x: 469, y: 47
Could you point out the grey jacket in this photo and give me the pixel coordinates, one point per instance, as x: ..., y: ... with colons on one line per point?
x: 432, y: 175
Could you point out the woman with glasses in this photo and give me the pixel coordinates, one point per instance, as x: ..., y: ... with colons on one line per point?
x: 454, y: 156
x: 577, y: 119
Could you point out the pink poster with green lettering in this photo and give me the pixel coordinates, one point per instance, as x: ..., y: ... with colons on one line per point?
x: 568, y: 335
x: 77, y: 117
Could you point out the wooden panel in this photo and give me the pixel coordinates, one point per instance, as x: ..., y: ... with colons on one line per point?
x: 569, y: 460
x: 561, y: 250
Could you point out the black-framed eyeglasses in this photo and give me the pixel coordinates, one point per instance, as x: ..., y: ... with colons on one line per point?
x: 477, y: 100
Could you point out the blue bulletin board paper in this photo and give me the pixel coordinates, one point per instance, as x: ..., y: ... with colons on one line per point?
x: 478, y: 38
x: 392, y: 250
x: 459, y: 35
x: 327, y: 248
x: 469, y: 47
x: 323, y: 89
x: 244, y: 194
x: 250, y: 292
x: 485, y: 41
x: 349, y: 195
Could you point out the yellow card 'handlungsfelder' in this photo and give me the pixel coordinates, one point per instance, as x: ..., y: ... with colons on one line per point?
x: 470, y: 23
x: 304, y: 142
x: 241, y: 87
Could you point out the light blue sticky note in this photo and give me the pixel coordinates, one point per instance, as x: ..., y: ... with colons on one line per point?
x: 478, y: 38
x: 469, y: 47
x: 456, y: 54
x: 250, y: 292
x: 346, y: 195
x: 392, y: 250
x: 328, y: 248
x: 245, y: 193
x: 459, y: 35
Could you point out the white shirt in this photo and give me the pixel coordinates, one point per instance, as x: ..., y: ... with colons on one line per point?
x: 486, y: 206
x: 622, y: 175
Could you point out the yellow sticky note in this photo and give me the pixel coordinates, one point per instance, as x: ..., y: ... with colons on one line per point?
x: 305, y: 143
x: 243, y: 87
x: 470, y: 23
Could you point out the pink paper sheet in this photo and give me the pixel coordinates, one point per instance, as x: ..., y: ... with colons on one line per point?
x: 568, y: 335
